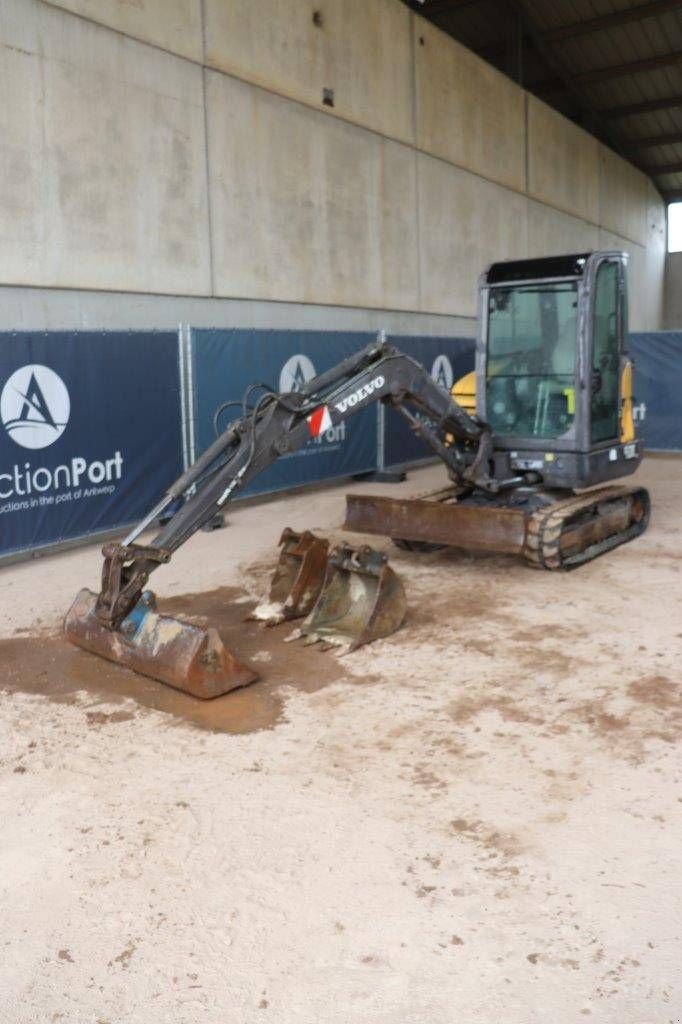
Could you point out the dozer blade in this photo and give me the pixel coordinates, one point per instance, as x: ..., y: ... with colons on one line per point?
x: 177, y: 653
x: 362, y: 599
x: 297, y: 580
x: 438, y: 519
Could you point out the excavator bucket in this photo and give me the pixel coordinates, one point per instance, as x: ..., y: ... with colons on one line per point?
x: 362, y: 600
x: 177, y: 653
x: 297, y: 580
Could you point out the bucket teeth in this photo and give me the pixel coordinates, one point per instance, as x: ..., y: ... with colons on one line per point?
x: 297, y: 580
x: 362, y: 599
x: 177, y: 653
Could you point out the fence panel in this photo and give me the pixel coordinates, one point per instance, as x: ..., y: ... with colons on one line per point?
x: 91, y: 432
x: 657, y: 386
x: 226, y: 362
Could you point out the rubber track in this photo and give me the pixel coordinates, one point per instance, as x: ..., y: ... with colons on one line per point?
x: 543, y: 537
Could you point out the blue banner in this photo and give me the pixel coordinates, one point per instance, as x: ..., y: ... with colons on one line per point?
x: 657, y: 387
x: 226, y: 362
x: 446, y: 359
x: 91, y: 432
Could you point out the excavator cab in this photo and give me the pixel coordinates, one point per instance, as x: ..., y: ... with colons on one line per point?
x: 553, y: 384
x: 553, y: 380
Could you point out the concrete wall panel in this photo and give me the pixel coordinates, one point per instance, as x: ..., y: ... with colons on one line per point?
x: 654, y: 256
x: 623, y: 197
x: 552, y: 233
x: 563, y: 163
x: 25, y: 189
x: 305, y: 207
x: 103, y: 172
x: 465, y: 223
x: 640, y: 302
x: 673, y: 292
x: 173, y: 25
x: 103, y: 143
x: 647, y: 264
x: 360, y: 50
x: 467, y: 111
x: 51, y: 309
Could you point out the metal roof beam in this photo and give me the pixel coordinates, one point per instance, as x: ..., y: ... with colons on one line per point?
x: 590, y: 117
x: 429, y: 7
x: 645, y: 107
x: 655, y: 140
x: 580, y: 28
x: 546, y: 51
x: 664, y: 169
x: 633, y: 67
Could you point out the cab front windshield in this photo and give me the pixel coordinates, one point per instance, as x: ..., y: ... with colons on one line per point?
x: 531, y: 363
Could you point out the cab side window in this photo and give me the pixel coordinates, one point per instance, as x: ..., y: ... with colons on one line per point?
x: 605, y: 382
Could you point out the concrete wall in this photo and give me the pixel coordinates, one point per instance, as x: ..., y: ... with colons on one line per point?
x: 623, y: 197
x: 102, y: 153
x: 563, y: 163
x: 173, y: 25
x: 305, y: 207
x: 183, y: 148
x: 360, y: 50
x: 467, y: 112
x: 672, y: 319
x: 463, y: 218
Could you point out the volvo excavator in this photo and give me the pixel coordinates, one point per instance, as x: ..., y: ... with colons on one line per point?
x: 530, y: 442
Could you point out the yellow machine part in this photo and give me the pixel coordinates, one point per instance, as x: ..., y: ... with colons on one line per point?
x: 627, y: 421
x: 464, y: 392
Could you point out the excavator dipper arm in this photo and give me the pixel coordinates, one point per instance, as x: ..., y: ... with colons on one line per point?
x: 283, y: 423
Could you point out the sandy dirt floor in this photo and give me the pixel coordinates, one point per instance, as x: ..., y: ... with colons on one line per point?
x: 476, y: 820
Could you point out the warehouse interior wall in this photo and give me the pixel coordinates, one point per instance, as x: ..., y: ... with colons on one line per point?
x: 672, y: 319
x: 284, y: 163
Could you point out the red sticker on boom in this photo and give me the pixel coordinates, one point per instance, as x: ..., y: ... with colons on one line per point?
x: 319, y: 421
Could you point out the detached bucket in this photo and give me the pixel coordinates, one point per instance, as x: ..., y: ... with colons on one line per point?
x: 362, y: 600
x: 297, y: 580
x: 177, y: 653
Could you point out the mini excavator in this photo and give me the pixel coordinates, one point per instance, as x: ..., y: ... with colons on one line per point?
x: 530, y: 441
x: 553, y: 384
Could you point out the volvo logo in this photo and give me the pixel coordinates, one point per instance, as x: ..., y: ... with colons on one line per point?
x: 362, y: 393
x: 35, y: 406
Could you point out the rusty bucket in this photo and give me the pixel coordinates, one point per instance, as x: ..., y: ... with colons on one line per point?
x: 297, y: 580
x: 177, y: 653
x: 362, y: 600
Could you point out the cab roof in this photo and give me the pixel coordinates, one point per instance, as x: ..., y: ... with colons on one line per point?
x: 536, y: 269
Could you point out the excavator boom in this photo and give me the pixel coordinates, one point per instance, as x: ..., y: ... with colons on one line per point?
x: 283, y: 423
x: 121, y: 622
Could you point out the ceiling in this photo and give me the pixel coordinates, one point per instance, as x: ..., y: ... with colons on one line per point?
x: 612, y: 66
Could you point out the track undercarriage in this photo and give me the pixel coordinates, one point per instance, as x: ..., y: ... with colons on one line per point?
x: 551, y: 530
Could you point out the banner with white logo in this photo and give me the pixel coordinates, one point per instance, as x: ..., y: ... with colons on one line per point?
x: 90, y: 432
x: 226, y: 362
x: 447, y: 360
x: 657, y: 388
